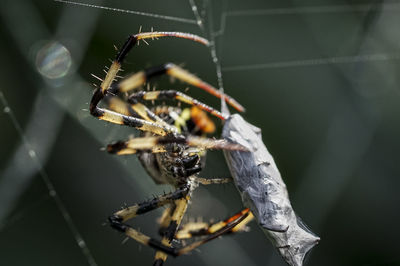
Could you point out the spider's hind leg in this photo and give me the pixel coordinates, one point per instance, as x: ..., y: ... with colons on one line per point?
x: 170, y: 226
x: 178, y: 200
x: 198, y: 229
x: 234, y: 221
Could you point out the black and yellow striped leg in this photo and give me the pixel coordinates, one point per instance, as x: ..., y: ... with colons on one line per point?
x: 131, y: 121
x: 173, y: 94
x: 170, y: 231
x: 137, y: 110
x: 158, y: 144
x: 180, y: 199
x: 117, y: 219
x: 165, y: 220
x: 124, y: 115
x: 232, y: 223
x: 128, y: 45
x: 158, y: 245
x: 138, y: 79
x: 170, y: 221
x: 213, y: 181
x: 198, y: 229
x: 115, y: 67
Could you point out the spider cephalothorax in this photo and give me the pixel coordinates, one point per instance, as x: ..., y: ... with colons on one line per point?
x: 180, y: 160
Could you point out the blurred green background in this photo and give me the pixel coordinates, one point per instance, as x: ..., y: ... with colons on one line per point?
x: 320, y: 78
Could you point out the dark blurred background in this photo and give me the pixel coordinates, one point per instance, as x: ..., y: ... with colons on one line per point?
x: 320, y: 78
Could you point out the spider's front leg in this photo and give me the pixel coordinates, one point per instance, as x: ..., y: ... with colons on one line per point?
x: 105, y: 87
x: 139, y: 78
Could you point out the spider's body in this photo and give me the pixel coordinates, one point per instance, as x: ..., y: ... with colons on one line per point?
x: 179, y: 161
x: 171, y: 148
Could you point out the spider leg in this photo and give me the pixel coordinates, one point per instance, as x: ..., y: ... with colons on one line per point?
x: 212, y: 181
x: 157, y: 144
x: 236, y: 220
x: 146, y: 240
x: 124, y: 114
x: 115, y: 67
x: 196, y: 229
x: 138, y: 110
x: 173, y: 94
x: 180, y: 199
x: 171, y: 219
x: 131, y: 121
x: 139, y: 78
x: 130, y: 42
x: 165, y: 220
x: 119, y: 217
x: 170, y: 231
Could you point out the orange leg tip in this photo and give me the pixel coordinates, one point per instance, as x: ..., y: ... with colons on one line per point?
x: 235, y: 105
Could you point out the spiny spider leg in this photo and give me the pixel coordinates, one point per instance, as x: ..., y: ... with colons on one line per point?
x: 166, y: 216
x: 171, y: 221
x: 124, y: 114
x: 140, y: 124
x: 157, y: 144
x: 185, y: 249
x: 138, y: 79
x: 118, y: 218
x: 173, y: 94
x: 131, y: 41
x: 136, y: 109
x: 115, y: 67
x: 117, y: 222
x: 213, y: 181
x: 170, y: 230
x: 196, y: 229
x: 165, y: 221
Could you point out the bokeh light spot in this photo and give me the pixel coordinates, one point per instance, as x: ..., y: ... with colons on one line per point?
x: 53, y: 60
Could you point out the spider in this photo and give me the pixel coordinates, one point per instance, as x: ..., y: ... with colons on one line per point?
x: 171, y: 147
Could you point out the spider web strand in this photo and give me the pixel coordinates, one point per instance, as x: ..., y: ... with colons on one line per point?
x: 305, y: 10
x: 197, y: 14
x: 213, y: 51
x: 140, y: 13
x: 316, y: 61
x: 50, y: 187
